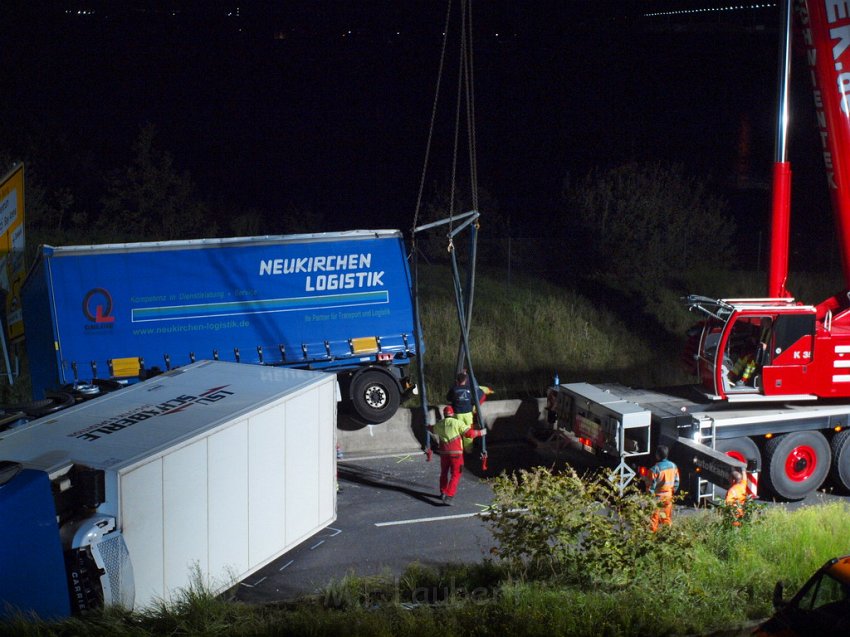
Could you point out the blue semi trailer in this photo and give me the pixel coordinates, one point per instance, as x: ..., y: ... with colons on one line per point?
x: 339, y: 302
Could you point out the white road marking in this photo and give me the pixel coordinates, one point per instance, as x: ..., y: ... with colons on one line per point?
x: 257, y: 583
x: 285, y: 565
x: 434, y: 519
x: 381, y: 457
x: 317, y: 544
x: 485, y: 513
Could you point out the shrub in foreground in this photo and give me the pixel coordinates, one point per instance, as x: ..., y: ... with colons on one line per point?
x: 580, y: 530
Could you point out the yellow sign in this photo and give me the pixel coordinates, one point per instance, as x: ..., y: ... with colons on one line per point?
x: 12, y: 269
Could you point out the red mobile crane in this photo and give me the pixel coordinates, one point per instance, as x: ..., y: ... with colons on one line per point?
x: 772, y: 370
x: 786, y: 350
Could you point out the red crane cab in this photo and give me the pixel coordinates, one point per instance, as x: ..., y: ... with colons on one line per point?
x: 772, y: 348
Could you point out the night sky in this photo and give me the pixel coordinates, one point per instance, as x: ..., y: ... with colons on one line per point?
x: 277, y: 105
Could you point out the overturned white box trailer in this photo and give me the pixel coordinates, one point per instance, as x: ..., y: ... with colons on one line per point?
x: 214, y: 468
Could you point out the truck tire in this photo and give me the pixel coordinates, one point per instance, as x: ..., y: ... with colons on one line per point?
x: 374, y: 396
x: 796, y: 464
x: 840, y: 472
x: 743, y: 449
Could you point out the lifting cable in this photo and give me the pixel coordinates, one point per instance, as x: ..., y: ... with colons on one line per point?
x: 414, y: 250
x: 463, y: 301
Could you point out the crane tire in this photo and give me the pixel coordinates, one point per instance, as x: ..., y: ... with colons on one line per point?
x: 840, y: 471
x: 743, y: 449
x: 796, y: 464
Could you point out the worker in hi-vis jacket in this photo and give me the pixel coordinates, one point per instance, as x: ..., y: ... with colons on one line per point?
x: 663, y: 481
x: 450, y: 432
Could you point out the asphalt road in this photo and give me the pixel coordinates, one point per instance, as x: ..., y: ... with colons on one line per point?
x: 389, y: 515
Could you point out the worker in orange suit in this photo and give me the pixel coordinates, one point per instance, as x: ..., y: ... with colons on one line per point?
x: 663, y: 482
x: 736, y: 496
x: 450, y: 433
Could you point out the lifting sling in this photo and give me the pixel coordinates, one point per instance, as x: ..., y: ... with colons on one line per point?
x: 463, y: 298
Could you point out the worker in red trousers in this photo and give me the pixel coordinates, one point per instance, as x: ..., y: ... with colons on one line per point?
x: 450, y: 432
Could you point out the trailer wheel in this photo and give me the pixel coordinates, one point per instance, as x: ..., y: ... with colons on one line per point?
x: 375, y: 396
x: 797, y: 464
x: 840, y: 472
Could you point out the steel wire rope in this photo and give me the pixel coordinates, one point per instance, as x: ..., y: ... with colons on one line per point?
x: 464, y: 302
x: 414, y: 256
x: 464, y: 88
x: 460, y: 79
x: 433, y: 119
x: 470, y: 117
x: 469, y: 83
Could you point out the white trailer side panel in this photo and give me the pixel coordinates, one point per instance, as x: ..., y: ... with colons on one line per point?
x: 228, y: 509
x: 302, y: 452
x: 142, y: 527
x: 185, y: 506
x: 239, y: 497
x: 267, y: 460
x: 327, y: 463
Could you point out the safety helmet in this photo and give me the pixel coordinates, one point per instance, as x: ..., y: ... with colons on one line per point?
x: 448, y: 411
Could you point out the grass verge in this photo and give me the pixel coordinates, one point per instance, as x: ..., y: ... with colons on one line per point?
x: 726, y: 581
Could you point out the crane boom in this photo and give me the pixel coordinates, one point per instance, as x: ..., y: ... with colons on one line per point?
x: 781, y: 224
x: 825, y: 26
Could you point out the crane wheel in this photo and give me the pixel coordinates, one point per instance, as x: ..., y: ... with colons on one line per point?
x: 840, y: 472
x: 743, y: 449
x: 796, y: 464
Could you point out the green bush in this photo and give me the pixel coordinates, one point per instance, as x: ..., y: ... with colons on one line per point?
x: 581, y: 531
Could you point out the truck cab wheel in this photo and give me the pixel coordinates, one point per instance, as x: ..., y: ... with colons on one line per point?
x: 374, y: 396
